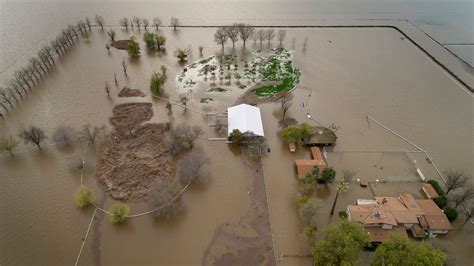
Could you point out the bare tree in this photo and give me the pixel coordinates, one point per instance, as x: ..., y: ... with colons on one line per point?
x: 184, y: 100
x: 124, y: 67
x: 462, y: 195
x: 218, y: 125
x: 137, y: 22
x: 111, y: 34
x: 192, y: 168
x: 285, y: 103
x: 206, y: 109
x: 254, y: 36
x: 183, y: 138
x: 88, y: 22
x: 157, y: 22
x: 261, y: 35
x: 454, y: 179
x: 146, y: 22
x: 245, y: 31
x: 32, y: 134
x: 90, y: 133
x: 305, y: 43
x: 100, y: 21
x: 115, y: 79
x: 201, y: 48
x: 269, y: 35
x: 220, y: 37
x: 281, y: 34
x: 124, y: 23
x: 131, y: 24
x: 233, y: 33
x: 468, y: 214
x: 165, y: 196
x: 107, y: 46
x: 63, y: 135
x: 107, y: 88
x: 308, y: 210
x: 175, y: 23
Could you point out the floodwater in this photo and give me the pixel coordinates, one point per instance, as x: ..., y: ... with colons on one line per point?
x: 346, y: 75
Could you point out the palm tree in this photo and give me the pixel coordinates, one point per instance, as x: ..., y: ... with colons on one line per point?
x: 342, y: 185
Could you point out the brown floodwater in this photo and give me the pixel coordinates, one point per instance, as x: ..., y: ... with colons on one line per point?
x: 346, y: 74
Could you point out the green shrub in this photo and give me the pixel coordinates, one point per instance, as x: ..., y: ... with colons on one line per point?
x: 342, y: 215
x: 236, y: 137
x: 83, y: 197
x: 327, y: 176
x: 451, y: 213
x: 441, y: 201
x: 133, y: 49
x: 436, y: 186
x: 119, y: 213
x: 157, y: 81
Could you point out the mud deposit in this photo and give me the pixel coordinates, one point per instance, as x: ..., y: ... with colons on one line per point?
x: 135, y: 155
x: 121, y: 44
x: 249, y: 242
x: 127, y: 92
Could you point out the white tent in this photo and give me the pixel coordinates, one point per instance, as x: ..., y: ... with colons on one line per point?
x: 245, y: 118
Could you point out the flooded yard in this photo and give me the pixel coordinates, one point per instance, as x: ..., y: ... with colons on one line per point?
x: 346, y: 74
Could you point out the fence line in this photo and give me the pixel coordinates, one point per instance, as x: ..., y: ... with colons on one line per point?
x: 182, y: 106
x: 85, y: 238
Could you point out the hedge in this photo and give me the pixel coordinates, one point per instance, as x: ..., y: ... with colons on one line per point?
x: 436, y: 186
x: 451, y: 213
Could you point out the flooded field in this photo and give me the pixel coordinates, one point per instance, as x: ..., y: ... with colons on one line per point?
x: 346, y: 75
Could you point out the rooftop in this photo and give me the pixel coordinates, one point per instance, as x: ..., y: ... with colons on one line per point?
x: 246, y: 118
x: 305, y: 166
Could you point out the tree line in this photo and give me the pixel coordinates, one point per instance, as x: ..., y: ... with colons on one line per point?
x: 37, y: 67
x: 244, y: 32
x: 138, y: 22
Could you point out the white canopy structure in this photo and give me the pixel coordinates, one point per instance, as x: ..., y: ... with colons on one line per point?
x: 246, y: 118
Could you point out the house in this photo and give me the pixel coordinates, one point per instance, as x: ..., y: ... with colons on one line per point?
x: 246, y: 118
x: 321, y: 136
x: 305, y: 166
x: 399, y: 214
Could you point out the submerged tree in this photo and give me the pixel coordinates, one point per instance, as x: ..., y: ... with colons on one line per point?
x: 124, y: 23
x: 183, y: 138
x: 342, y: 185
x: 399, y: 250
x: 181, y: 54
x: 118, y: 213
x: 261, y: 35
x: 233, y: 33
x: 327, y: 175
x: 100, y: 21
x: 454, y: 179
x: 220, y: 37
x: 133, y: 48
x: 269, y: 35
x: 83, y: 197
x: 175, y: 23
x: 63, y: 135
x: 137, y: 22
x: 32, y: 134
x: 308, y: 210
x: 281, y: 34
x: 124, y: 67
x: 157, y: 81
x: 245, y: 31
x: 165, y: 197
x: 90, y: 133
x: 146, y: 22
x: 462, y: 195
x: 285, y: 103
x: 156, y: 22
x: 192, y: 168
x: 111, y: 34
x: 8, y: 145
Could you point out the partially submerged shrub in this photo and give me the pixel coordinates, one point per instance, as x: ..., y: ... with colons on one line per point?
x: 164, y: 195
x: 451, y: 213
x: 342, y: 215
x: 119, y: 213
x: 63, y: 136
x: 441, y: 201
x: 183, y: 138
x: 236, y: 137
x: 436, y: 186
x: 192, y: 168
x: 83, y: 197
x: 327, y: 175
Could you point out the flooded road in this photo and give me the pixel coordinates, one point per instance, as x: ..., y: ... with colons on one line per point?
x: 382, y: 75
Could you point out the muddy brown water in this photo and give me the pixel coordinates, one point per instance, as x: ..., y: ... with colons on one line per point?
x: 382, y: 75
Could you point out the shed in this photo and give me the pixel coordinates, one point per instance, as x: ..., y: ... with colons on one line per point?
x: 429, y: 190
x: 246, y: 118
x: 321, y: 136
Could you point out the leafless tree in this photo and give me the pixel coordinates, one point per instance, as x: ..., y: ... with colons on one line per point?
x: 281, y: 34
x: 220, y: 37
x: 124, y: 67
x: 233, y: 33
x: 285, y: 103
x: 115, y: 79
x: 107, y: 88
x: 124, y: 23
x: 107, y: 46
x: 156, y: 22
x: 165, y: 196
x: 63, y: 135
x: 137, y: 22
x: 206, y: 109
x: 146, y: 22
x: 184, y: 100
x: 33, y: 135
x: 261, y: 35
x: 245, y: 31
x: 218, y: 125
x: 111, y: 34
x: 192, y: 168
x: 305, y: 43
x: 269, y: 35
x: 183, y: 138
x: 468, y: 214
x: 88, y: 22
x: 201, y: 48
x: 90, y: 133
x: 175, y: 23
x: 131, y: 23
x: 100, y: 21
x: 254, y: 36
x: 5, y: 98
x: 462, y: 195
x: 81, y: 26
x: 454, y: 179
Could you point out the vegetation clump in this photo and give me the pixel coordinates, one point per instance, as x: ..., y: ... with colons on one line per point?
x: 157, y: 81
x: 8, y: 145
x: 297, y: 133
x: 118, y: 213
x: 133, y: 48
x: 83, y: 197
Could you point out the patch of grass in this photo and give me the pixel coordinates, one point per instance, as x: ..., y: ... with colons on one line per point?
x: 242, y: 86
x: 218, y: 89
x: 206, y: 100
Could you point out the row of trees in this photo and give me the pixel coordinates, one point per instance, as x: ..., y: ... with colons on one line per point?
x: 145, y: 23
x: 62, y: 136
x: 27, y: 77
x: 240, y: 31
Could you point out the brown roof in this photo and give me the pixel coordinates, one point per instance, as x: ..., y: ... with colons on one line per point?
x: 409, y: 201
x: 379, y: 235
x: 371, y: 214
x: 305, y: 166
x: 429, y: 190
x: 435, y: 217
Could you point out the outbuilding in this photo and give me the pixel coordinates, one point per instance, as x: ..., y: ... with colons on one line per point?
x: 246, y: 118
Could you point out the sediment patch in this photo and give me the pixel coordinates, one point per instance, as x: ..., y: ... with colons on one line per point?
x: 135, y: 154
x: 121, y: 44
x: 127, y: 92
